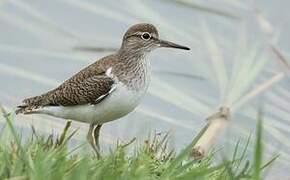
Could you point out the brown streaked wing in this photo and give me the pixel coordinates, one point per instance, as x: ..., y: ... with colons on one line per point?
x: 85, y: 87
x: 86, y: 91
x: 89, y: 86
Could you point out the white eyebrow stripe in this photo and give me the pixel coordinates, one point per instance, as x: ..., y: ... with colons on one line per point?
x: 139, y: 33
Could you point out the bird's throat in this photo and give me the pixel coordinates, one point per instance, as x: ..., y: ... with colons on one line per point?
x: 135, y: 73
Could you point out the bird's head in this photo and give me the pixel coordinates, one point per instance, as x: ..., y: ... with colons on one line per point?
x: 144, y: 37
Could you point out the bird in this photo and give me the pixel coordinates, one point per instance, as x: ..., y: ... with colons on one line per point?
x: 106, y: 90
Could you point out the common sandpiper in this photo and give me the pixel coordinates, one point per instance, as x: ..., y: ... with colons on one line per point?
x: 106, y: 90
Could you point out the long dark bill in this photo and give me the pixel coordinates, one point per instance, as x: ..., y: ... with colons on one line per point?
x: 168, y: 44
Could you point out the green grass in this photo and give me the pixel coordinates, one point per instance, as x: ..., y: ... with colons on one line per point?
x: 47, y: 158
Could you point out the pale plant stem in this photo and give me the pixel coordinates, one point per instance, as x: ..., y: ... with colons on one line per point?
x: 217, y: 123
x: 220, y: 120
x: 215, y: 128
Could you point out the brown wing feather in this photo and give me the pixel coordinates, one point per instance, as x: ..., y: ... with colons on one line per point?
x: 83, y: 88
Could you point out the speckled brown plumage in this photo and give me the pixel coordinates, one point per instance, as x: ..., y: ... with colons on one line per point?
x: 83, y: 88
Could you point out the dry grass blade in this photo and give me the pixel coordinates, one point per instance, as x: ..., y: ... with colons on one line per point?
x: 278, y: 135
x: 259, y: 89
x: 18, y: 72
x: 3, y: 111
x: 269, y: 31
x: 265, y: 25
x: 179, y: 74
x: 218, y: 63
x: 128, y: 143
x: 100, y: 10
x: 281, y: 59
x: 178, y: 98
x: 42, y: 52
x: 94, y: 49
x: 246, y: 75
x: 161, y: 117
x: 205, y: 9
x: 44, y: 20
x: 20, y: 23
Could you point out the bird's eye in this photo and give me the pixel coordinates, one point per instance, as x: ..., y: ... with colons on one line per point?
x: 146, y: 36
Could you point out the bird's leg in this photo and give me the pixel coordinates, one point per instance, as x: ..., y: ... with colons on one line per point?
x: 97, y: 130
x: 90, y: 136
x: 93, y: 138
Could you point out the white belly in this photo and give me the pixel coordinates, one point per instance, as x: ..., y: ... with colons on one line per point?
x: 119, y: 103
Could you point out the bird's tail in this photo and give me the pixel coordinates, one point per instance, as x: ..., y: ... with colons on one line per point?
x: 29, y: 105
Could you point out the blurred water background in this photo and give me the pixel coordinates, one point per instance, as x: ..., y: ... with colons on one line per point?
x: 232, y: 62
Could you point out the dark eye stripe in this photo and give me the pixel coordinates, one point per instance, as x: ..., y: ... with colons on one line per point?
x: 133, y: 35
x: 140, y: 35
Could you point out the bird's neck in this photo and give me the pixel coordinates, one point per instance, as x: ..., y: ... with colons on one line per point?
x: 132, y: 54
x: 135, y: 67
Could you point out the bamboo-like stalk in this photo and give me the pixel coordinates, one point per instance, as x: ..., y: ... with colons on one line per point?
x: 218, y: 121
x: 216, y: 125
